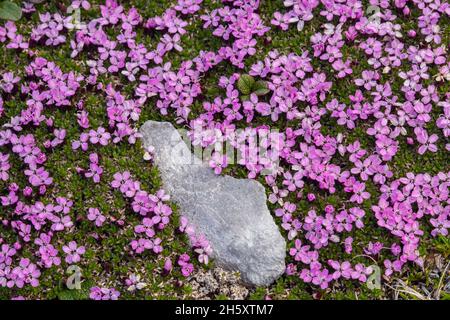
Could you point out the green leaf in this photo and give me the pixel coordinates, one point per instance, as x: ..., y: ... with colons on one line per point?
x: 245, y: 84
x: 10, y: 11
x: 260, y: 88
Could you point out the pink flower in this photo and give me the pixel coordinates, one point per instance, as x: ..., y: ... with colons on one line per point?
x: 98, y: 293
x: 186, y: 267
x: 81, y: 3
x: 4, y: 166
x: 83, y: 120
x: 120, y: 180
x: 168, y: 265
x: 95, y: 171
x: 8, y: 82
x: 218, y: 162
x: 95, y: 215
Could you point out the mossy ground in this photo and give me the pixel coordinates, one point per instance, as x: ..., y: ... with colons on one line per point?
x: 108, y: 261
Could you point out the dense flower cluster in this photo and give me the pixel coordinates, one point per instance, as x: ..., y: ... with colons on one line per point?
x: 134, y: 283
x: 155, y: 217
x: 73, y: 252
x: 155, y: 213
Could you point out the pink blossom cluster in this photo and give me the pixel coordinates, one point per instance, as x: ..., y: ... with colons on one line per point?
x: 186, y: 267
x: 402, y: 208
x: 198, y: 241
x: 4, y: 167
x: 8, y: 82
x: 59, y: 136
x: 97, y: 293
x: 28, y: 219
x: 320, y: 231
x: 51, y: 29
x: 240, y: 23
x: 25, y: 273
x: 47, y: 252
x: 134, y: 283
x: 2, y: 109
x: 96, y: 217
x: 73, y: 252
x: 95, y: 170
x: 155, y: 213
x: 299, y: 12
x: 292, y: 81
x: 13, y: 40
x: 28, y: 7
x: 46, y: 85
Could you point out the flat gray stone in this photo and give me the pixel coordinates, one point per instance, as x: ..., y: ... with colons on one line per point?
x: 232, y: 213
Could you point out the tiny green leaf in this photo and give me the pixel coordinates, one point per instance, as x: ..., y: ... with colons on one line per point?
x: 260, y: 88
x: 245, y: 84
x: 245, y: 97
x: 10, y: 11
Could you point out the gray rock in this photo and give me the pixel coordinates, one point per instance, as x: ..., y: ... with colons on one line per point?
x: 232, y: 213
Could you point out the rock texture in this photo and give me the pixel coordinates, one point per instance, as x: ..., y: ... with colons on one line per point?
x: 232, y: 213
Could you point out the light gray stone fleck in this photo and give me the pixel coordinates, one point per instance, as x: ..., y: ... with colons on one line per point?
x: 232, y: 213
